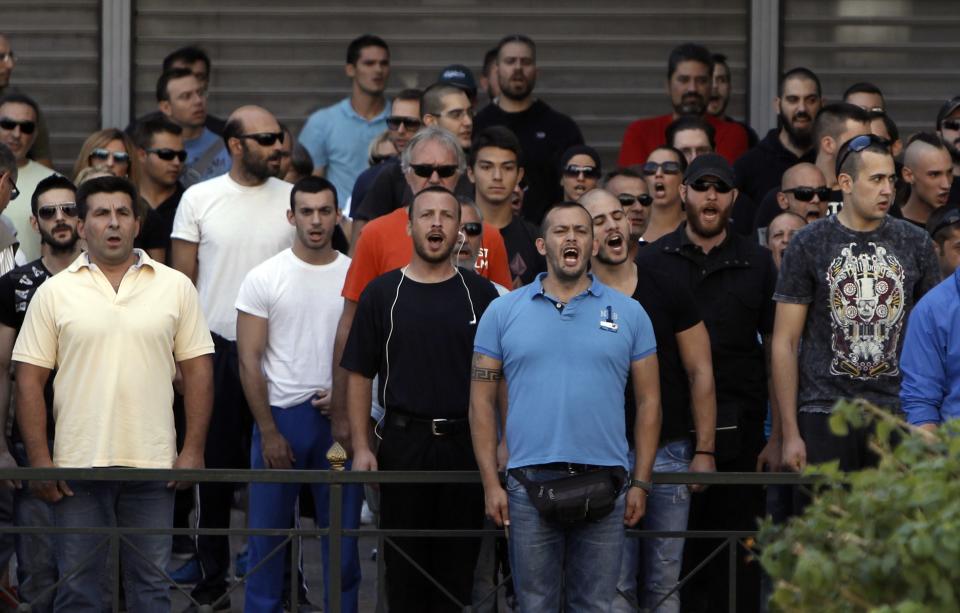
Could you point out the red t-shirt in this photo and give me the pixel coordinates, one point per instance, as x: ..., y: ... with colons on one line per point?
x: 384, y: 245
x: 645, y: 135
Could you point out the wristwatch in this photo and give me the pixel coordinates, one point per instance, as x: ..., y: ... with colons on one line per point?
x: 644, y: 485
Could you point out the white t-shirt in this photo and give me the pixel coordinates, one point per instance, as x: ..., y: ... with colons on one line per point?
x: 236, y: 228
x: 302, y: 305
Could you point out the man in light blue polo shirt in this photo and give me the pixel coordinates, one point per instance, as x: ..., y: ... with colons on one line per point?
x: 565, y: 345
x: 338, y: 136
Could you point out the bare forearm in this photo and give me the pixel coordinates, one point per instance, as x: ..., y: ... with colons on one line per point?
x: 32, y: 418
x: 483, y: 430
x: 255, y: 391
x: 783, y: 402
x: 359, y: 396
x: 5, y: 385
x: 197, y: 401
x: 338, y: 399
x: 704, y: 398
x: 646, y: 436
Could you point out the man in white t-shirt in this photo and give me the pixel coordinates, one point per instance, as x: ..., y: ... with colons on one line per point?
x: 224, y: 227
x: 287, y: 314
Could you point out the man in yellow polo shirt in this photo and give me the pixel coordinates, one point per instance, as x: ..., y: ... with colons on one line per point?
x: 115, y: 325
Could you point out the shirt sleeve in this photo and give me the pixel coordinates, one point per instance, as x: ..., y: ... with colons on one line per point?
x: 253, y: 297
x: 192, y: 337
x: 363, y: 266
x: 768, y: 307
x: 795, y: 284
x: 498, y: 265
x: 923, y: 362
x: 732, y: 141
x: 644, y: 340
x: 313, y: 137
x: 38, y: 339
x: 186, y: 224
x: 365, y: 343
x: 685, y: 312
x: 488, y: 336
x: 8, y: 315
x: 151, y: 233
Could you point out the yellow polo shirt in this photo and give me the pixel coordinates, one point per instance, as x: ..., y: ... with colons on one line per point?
x: 114, y: 352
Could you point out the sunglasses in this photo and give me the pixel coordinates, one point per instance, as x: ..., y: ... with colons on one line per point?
x: 264, y: 139
x: 806, y: 194
x: 119, y: 157
x: 589, y: 172
x: 26, y: 127
x: 49, y: 211
x: 629, y: 199
x: 858, y: 144
x: 668, y: 168
x: 378, y: 158
x: 950, y: 124
x: 472, y: 228
x: 701, y: 186
x: 395, y: 121
x: 444, y: 171
x: 167, y: 155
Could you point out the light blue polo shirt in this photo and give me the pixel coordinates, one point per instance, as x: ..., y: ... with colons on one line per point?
x: 338, y: 139
x: 566, y: 371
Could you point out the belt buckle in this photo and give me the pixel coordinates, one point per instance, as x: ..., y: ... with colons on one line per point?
x: 433, y: 426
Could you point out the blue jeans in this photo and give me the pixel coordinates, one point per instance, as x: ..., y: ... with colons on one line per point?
x: 667, y: 509
x: 127, y: 504
x: 272, y: 505
x: 36, y: 554
x: 583, y: 560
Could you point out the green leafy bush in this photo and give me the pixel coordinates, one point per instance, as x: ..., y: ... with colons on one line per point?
x: 884, y: 539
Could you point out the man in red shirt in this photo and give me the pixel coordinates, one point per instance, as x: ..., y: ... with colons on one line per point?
x: 688, y: 82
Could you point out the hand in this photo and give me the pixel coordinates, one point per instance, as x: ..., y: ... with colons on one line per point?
x: 701, y: 463
x: 636, y: 506
x: 771, y: 458
x: 495, y: 505
x: 276, y: 450
x: 188, y: 459
x: 7, y: 461
x: 794, y: 454
x: 321, y: 402
x: 50, y: 491
x: 502, y: 455
x: 364, y: 460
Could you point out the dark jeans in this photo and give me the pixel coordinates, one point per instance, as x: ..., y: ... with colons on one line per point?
x: 442, y: 506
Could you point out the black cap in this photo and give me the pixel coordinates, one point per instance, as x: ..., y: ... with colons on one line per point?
x: 460, y: 76
x: 710, y: 165
x: 942, y: 218
x: 579, y: 150
x: 948, y: 107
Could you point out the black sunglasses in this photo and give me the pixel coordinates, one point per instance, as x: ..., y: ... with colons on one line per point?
x: 264, y: 139
x: 444, y: 171
x: 629, y: 199
x: 472, y: 228
x: 668, y: 168
x: 167, y: 155
x: 27, y: 127
x: 395, y: 121
x: 701, y: 186
x: 589, y: 172
x: 49, y: 211
x: 856, y: 145
x: 950, y: 124
x: 806, y: 194
x: 119, y: 157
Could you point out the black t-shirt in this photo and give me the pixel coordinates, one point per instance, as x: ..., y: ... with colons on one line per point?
x: 525, y: 261
x: 760, y: 169
x: 390, y: 191
x: 672, y: 309
x: 431, y: 341
x: 17, y: 288
x: 544, y: 135
x: 158, y: 224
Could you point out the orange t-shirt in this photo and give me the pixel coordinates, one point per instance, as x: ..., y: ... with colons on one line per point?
x: 384, y: 245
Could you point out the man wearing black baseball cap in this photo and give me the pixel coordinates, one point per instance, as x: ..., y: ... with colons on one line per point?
x: 948, y: 128
x: 731, y: 278
x: 460, y: 76
x: 944, y: 228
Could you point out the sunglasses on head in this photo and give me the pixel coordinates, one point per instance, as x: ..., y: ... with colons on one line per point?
x: 49, y: 211
x: 119, y: 157
x: 26, y: 127
x: 857, y: 144
x: 668, y: 168
x: 444, y: 171
x: 472, y: 228
x: 395, y: 121
x: 806, y: 194
x: 701, y: 185
x: 167, y: 155
x: 950, y: 124
x: 629, y: 199
x: 589, y: 172
x: 264, y: 139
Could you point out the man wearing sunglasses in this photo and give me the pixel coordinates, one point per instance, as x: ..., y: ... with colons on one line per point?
x: 928, y: 170
x: 631, y: 190
x: 846, y: 288
x: 804, y: 192
x: 162, y: 155
x: 40, y: 150
x: 948, y: 129
x: 732, y: 279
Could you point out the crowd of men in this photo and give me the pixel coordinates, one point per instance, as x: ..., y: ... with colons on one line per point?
x: 438, y: 287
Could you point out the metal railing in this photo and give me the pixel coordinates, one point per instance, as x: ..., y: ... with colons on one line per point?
x: 114, y: 536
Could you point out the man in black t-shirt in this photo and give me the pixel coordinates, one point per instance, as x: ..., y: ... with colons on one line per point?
x: 687, y: 398
x: 159, y: 144
x: 414, y: 327
x: 928, y: 169
x: 55, y: 217
x: 543, y: 132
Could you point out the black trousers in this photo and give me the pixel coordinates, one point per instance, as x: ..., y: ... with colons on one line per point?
x: 445, y: 506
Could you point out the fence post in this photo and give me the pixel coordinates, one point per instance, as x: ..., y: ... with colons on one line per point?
x: 336, y: 542
x: 732, y: 562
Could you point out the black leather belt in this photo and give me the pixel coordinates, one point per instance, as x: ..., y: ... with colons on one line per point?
x: 567, y: 467
x: 437, y: 426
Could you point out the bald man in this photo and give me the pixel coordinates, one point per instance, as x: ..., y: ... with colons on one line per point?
x: 803, y: 191
x: 225, y: 227
x: 780, y: 231
x: 928, y: 168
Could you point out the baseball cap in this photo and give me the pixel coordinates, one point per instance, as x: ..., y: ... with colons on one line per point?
x: 948, y: 107
x: 710, y: 165
x: 460, y: 76
x: 942, y: 218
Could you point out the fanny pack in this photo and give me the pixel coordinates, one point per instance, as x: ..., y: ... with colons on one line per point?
x: 580, y: 497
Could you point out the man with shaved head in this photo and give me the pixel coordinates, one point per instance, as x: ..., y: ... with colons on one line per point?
x: 225, y: 227
x: 803, y: 191
x: 630, y: 189
x: 928, y: 169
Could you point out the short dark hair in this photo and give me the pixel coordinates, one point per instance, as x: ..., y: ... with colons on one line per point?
x: 863, y: 87
x: 680, y: 157
x: 799, y: 72
x: 145, y: 129
x: 301, y: 161
x: 831, y: 119
x: 312, y: 185
x: 565, y: 204
x: 54, y: 181
x: 927, y: 137
x: 489, y: 59
x: 166, y: 77
x: 719, y: 59
x: 891, y: 126
x: 411, y: 93
x: 362, y: 42
x: 428, y: 189
x: 690, y: 122
x: 106, y: 185
x: 516, y: 38
x: 495, y: 136
x: 688, y: 52
x: 187, y: 55
x: 18, y: 98
x: 621, y: 171
x: 431, y: 102
x: 853, y: 160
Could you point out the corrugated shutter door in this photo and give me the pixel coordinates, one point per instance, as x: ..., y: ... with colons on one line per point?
x: 905, y: 47
x: 58, y: 64
x: 603, y: 62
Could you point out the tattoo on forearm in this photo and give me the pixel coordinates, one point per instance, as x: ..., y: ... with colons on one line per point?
x: 487, y: 374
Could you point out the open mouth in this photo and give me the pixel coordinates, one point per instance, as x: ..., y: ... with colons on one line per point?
x: 710, y: 214
x: 659, y: 189
x: 571, y: 255
x: 435, y: 239
x: 615, y: 242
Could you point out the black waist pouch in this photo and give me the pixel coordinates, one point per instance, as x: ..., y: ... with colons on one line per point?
x: 586, y: 496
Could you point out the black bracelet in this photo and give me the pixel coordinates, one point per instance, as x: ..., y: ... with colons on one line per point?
x: 644, y: 485
x: 702, y: 452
